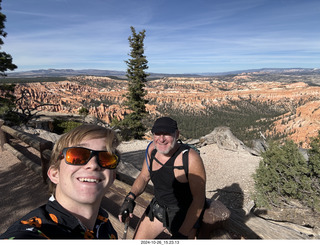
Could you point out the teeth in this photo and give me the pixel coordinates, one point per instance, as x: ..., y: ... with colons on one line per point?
x: 89, y: 180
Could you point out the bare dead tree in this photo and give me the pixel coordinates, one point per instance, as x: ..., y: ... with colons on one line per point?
x: 25, y: 110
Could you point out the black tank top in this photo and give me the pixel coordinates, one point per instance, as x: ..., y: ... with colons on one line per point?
x: 168, y: 190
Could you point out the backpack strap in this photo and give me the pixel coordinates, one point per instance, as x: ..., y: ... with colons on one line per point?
x: 152, y: 157
x: 147, y: 155
x: 185, y: 157
x: 185, y: 161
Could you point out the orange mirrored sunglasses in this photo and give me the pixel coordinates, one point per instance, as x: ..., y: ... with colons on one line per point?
x: 81, y: 156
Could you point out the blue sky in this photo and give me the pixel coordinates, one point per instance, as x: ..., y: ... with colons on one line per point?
x: 182, y: 36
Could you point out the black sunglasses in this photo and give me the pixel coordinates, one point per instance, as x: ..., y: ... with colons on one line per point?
x: 81, y: 156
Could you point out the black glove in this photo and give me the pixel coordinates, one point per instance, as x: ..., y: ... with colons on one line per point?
x: 178, y: 236
x: 127, y: 207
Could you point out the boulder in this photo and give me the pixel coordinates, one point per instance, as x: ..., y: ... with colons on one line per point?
x: 224, y: 138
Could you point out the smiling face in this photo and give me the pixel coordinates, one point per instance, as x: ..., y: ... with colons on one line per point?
x: 165, y: 142
x: 85, y: 184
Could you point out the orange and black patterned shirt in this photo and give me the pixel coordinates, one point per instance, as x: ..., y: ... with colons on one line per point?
x: 52, y: 221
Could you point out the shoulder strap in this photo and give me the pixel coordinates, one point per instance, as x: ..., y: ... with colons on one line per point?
x: 152, y: 157
x: 185, y: 161
x: 147, y: 155
x: 185, y: 158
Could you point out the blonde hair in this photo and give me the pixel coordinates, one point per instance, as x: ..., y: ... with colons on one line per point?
x: 75, y: 136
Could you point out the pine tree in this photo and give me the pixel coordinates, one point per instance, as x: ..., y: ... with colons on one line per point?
x: 132, y: 126
x: 284, y: 175
x: 314, y: 155
x: 5, y: 59
x: 7, y: 90
x: 314, y: 165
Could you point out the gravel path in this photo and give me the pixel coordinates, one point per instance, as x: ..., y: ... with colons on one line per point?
x: 21, y: 190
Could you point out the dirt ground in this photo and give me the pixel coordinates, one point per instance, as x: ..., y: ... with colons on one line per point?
x: 21, y: 190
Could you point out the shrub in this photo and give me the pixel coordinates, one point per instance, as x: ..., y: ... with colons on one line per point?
x: 130, y: 127
x: 283, y: 176
x: 61, y: 127
x: 314, y: 156
x: 314, y: 166
x: 83, y: 111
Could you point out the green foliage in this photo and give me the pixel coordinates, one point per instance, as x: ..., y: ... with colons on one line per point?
x: 61, y: 126
x: 83, y: 111
x: 132, y: 125
x: 7, y: 100
x: 314, y: 166
x: 19, y: 80
x: 314, y: 156
x: 99, y: 101
x: 245, y: 118
x: 6, y: 63
x: 284, y: 175
x: 7, y: 97
x: 5, y: 59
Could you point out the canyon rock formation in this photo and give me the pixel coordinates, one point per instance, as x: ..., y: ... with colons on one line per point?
x: 103, y: 97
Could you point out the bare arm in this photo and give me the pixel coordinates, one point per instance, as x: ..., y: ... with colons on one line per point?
x: 197, y: 183
x: 141, y: 181
x: 139, y: 185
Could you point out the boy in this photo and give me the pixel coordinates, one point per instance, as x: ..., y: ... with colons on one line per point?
x: 81, y: 169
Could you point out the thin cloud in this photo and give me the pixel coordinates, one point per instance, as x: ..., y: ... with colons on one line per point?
x: 199, y: 36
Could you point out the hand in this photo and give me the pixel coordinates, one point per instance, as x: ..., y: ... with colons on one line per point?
x: 126, y: 209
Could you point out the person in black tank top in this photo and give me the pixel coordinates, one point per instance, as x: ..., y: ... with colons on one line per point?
x: 179, y: 198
